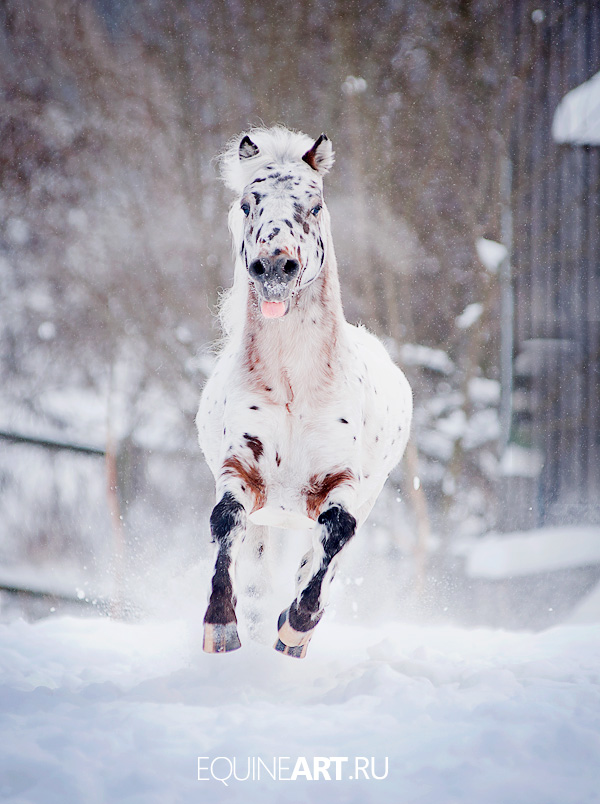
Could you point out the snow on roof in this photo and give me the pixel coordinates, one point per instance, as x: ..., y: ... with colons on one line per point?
x: 577, y: 116
x: 543, y: 550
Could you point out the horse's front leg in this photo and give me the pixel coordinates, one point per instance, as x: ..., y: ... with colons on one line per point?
x: 228, y: 527
x: 297, y: 623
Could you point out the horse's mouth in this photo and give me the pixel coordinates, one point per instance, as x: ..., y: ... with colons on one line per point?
x: 275, y: 280
x: 274, y: 309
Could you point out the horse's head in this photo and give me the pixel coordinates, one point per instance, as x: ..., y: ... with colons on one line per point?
x: 280, y: 221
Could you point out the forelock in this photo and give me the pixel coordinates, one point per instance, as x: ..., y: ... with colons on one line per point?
x: 277, y: 146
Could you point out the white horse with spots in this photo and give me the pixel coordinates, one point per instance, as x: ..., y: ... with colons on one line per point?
x: 305, y: 415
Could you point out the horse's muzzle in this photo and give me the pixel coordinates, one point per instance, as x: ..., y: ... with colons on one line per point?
x: 273, y: 275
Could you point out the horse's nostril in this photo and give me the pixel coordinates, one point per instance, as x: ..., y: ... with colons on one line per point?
x: 256, y: 268
x: 273, y: 267
x: 291, y: 267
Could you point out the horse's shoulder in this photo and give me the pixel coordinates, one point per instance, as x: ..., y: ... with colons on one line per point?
x: 364, y: 340
x: 370, y: 348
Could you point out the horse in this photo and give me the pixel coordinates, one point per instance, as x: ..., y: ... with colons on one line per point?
x: 304, y: 415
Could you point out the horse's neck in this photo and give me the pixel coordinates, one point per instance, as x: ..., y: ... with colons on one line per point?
x: 297, y: 356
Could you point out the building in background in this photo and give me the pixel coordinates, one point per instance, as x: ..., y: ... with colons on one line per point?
x: 551, y: 465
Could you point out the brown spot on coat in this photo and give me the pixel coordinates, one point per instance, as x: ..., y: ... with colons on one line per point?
x: 249, y: 476
x: 320, y: 487
x: 255, y: 445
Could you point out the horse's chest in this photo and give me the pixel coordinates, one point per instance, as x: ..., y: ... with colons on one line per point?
x: 299, y: 440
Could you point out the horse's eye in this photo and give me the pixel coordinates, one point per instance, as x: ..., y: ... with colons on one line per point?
x: 246, y: 208
x: 315, y: 210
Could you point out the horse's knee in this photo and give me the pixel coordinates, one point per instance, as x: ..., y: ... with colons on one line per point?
x: 340, y: 527
x: 226, y: 516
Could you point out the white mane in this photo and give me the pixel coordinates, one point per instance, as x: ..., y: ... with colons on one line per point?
x: 276, y: 145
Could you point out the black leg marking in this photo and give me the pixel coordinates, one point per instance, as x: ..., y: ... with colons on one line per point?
x: 226, y: 515
x: 221, y: 608
x: 220, y: 632
x: 340, y: 526
x: 297, y: 623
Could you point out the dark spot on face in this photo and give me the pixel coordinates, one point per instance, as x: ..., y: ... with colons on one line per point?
x: 306, y: 227
x: 268, y: 389
x: 253, y: 407
x: 256, y: 181
x: 277, y: 458
x: 285, y: 220
x: 274, y: 175
x: 257, y: 197
x: 376, y: 439
x: 274, y: 233
x: 344, y: 421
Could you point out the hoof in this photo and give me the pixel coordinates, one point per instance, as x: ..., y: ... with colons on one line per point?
x: 220, y: 638
x: 291, y: 642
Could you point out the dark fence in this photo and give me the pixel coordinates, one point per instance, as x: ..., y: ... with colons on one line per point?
x: 555, y: 46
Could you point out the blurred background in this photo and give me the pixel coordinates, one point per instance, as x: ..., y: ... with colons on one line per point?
x: 465, y: 209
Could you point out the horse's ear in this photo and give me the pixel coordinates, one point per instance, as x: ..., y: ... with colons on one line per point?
x: 320, y: 156
x: 247, y: 148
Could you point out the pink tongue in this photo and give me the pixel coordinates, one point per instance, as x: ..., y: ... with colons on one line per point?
x: 272, y: 309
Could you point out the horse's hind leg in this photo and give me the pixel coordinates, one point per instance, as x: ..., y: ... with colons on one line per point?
x: 297, y: 623
x: 254, y: 580
x: 227, y: 525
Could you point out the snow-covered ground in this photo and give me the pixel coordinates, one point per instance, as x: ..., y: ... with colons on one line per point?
x: 99, y: 712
